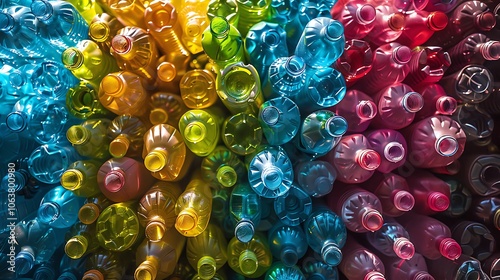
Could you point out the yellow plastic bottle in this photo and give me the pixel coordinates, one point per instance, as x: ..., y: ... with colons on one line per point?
x: 251, y: 259
x: 242, y: 133
x: 194, y: 19
x: 251, y: 12
x: 157, y: 209
x: 198, y: 89
x: 157, y: 260
x: 167, y: 108
x: 169, y: 72
x: 87, y: 8
x: 128, y: 12
x: 193, y: 208
x: 92, y: 208
x: 81, y: 178
x: 127, y: 134
x: 118, y: 227
x: 83, y: 240
x: 102, y: 29
x: 89, y: 138
x: 200, y: 129
x: 82, y: 102
x: 165, y: 154
x: 207, y: 252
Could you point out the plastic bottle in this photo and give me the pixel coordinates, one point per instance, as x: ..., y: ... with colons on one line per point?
x: 165, y: 153
x: 463, y: 268
x: 222, y: 168
x: 245, y: 208
x: 227, y: 9
x: 436, y: 5
x: 355, y: 62
x: 392, y: 240
x: 354, y: 159
x: 220, y: 208
x: 59, y: 208
x: 82, y: 102
x: 48, y: 269
x: 128, y: 12
x: 293, y: 207
x: 81, y: 178
x: 490, y: 265
x: 280, y: 271
x: 88, y: 62
x: 251, y: 259
x: 47, y: 162
x: 436, y: 102
x: 102, y: 29
x: 359, y: 263
x: 169, y: 71
x: 431, y: 238
x: 51, y: 80
x: 321, y: 130
x: 391, y: 145
x: 432, y: 195
x: 183, y: 270
x: 460, y: 197
x: 358, y: 109
x: 313, y: 266
x: 420, y: 26
x: 251, y: 13
x: 472, y: 84
x: 207, y: 252
x: 19, y: 81
x: 82, y: 241
x: 484, y: 243
x: 104, y: 264
x: 92, y: 208
x: 390, y: 66
x: 360, y: 210
x: 264, y: 43
x: 127, y: 134
x: 70, y: 268
x: 242, y: 133
x: 321, y: 43
x: 198, y: 89
x: 194, y: 19
x: 427, y: 66
x: 434, y: 142
x: 387, y: 27
x: 89, y: 138
x: 193, y: 207
x: 167, y: 108
x: 315, y: 177
x: 357, y: 17
x: 326, y: 234
x: 286, y: 77
x: 479, y: 173
x: 118, y: 227
x: 280, y: 119
x: 473, y: 49
x: 287, y: 243
x: 88, y: 9
x: 412, y: 269
x: 486, y: 210
x: 476, y: 123
x: 60, y: 23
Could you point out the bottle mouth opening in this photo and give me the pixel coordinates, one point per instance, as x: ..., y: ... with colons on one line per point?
x: 16, y: 121
x: 336, y: 126
x: 485, y: 21
x: 114, y: 181
x: 334, y: 31
x: 491, y: 50
x: 270, y: 115
x: 158, y: 116
x: 295, y: 65
x: 372, y: 220
x: 195, y: 132
x: 155, y: 161
x: 450, y: 249
x: 412, y: 102
x: 155, y: 230
x: 272, y: 38
x: 72, y: 58
x: 244, y: 231
x: 402, y: 55
x: 447, y: 146
x: 88, y: 213
x: 119, y: 146
x: 374, y: 275
x: 226, y: 176
x: 422, y: 275
x: 112, y: 85
x: 438, y: 21
x: 289, y: 257
x: 490, y: 175
x: 186, y: 220
x: 76, y: 247
x: 93, y: 274
x: 7, y: 22
x: 272, y: 177
x: 121, y: 44
x: 368, y: 159
x: 166, y: 72
x: 72, y: 179
x: 219, y: 27
x: 207, y: 267
x: 446, y: 105
x: 324, y: 185
x: 331, y: 254
x: 248, y: 262
x: 366, y: 14
x: 438, y: 201
x: 239, y: 83
x: 78, y: 135
x: 397, y: 22
x: 404, y: 201
x: 394, y: 152
x: 48, y: 212
x: 478, y: 82
x: 403, y: 248
x: 41, y: 9
x: 366, y: 110
x: 99, y: 31
x: 163, y: 17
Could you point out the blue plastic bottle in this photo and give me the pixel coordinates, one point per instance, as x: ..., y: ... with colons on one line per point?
x: 287, y: 243
x: 60, y: 23
x: 13, y: 146
x: 264, y: 43
x: 48, y: 269
x: 246, y: 209
x: 321, y: 131
x: 314, y: 268
x: 71, y: 269
x: 16, y: 180
x: 315, y: 177
x: 47, y: 162
x: 270, y: 172
x: 59, y: 208
x: 280, y: 120
x: 326, y: 234
x: 6, y: 4
x: 321, y: 42
x: 8, y: 93
x: 52, y: 80
x: 280, y: 271
x: 286, y: 77
x: 20, y: 79
x: 268, y: 217
x: 293, y: 207
x: 283, y: 12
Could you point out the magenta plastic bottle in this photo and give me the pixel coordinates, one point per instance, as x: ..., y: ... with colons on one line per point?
x: 412, y: 269
x: 473, y: 49
x: 432, y: 195
x: 359, y: 209
x: 388, y: 26
x: 427, y: 66
x: 124, y: 179
x: 356, y: 61
x: 420, y: 26
x: 434, y: 142
x: 431, y: 238
x: 436, y: 102
x: 359, y: 263
x: 391, y: 146
x: 358, y: 18
x: 391, y: 240
x: 393, y: 192
x: 358, y: 109
x: 353, y: 159
x: 397, y: 105
x: 390, y: 66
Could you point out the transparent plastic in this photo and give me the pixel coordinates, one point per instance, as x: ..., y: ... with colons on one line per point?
x: 223, y: 43
x: 200, y: 129
x: 222, y: 168
x: 436, y: 102
x: 47, y: 162
x: 479, y: 173
x: 92, y: 208
x: 432, y: 195
x: 427, y: 66
x: 315, y: 177
x: 358, y: 18
x: 82, y: 102
x: 198, y: 89
x: 83, y: 240
x: 102, y: 29
x: 391, y: 146
x: 286, y: 77
x: 313, y: 267
x: 420, y: 26
x: 484, y: 241
x: 81, y: 178
x: 392, y: 240
x: 51, y: 80
x: 293, y: 207
x: 251, y: 259
x: 242, y: 133
x: 127, y: 134
x: 246, y: 209
x: 89, y: 138
x: 476, y: 123
x: 360, y: 263
x: 59, y: 208
x: 287, y: 243
x: 280, y: 271
x: 324, y: 88
x: 321, y: 131
x: 118, y: 227
x: 473, y: 49
x: 358, y: 109
x: 280, y: 119
x: 412, y: 269
x: 463, y: 268
x: 104, y: 264
x: 356, y: 61
x: 128, y: 12
x: 166, y: 108
x: 207, y: 252
x: 251, y: 12
x: 387, y: 27
x: 472, y: 84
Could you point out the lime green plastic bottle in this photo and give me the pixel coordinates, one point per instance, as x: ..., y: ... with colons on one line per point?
x: 207, y: 252
x: 251, y: 259
x: 89, y: 138
x: 222, y: 168
x: 81, y: 178
x: 227, y: 9
x: 83, y: 102
x: 87, y: 8
x: 201, y: 129
x: 118, y: 227
x: 83, y: 240
x: 198, y: 89
x: 92, y: 208
x: 127, y: 134
x: 156, y: 209
x: 242, y: 133
x: 157, y: 260
x: 102, y: 29
x: 167, y: 108
x: 193, y: 208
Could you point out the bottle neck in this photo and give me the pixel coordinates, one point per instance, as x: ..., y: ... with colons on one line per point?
x: 119, y: 146
x: 186, y: 220
x: 155, y: 228
x: 156, y: 160
x: 244, y: 231
x: 334, y: 31
x: 449, y: 248
x: 195, y: 132
x: 288, y: 255
x: 271, y: 39
x: 403, y: 248
x: 403, y: 200
x: 158, y: 116
x: 43, y: 10
x: 438, y: 201
x: 370, y: 219
x: 401, y: 55
x: 76, y: 246
x: 17, y: 121
x: 271, y: 115
x: 88, y: 213
x: 72, y: 58
x: 446, y: 105
x: 295, y: 66
x: 206, y: 267
x: 490, y: 50
x: 366, y: 110
x: 336, y: 126
x: 78, y: 135
x: 25, y: 260
x: 396, y: 22
x: 422, y: 275
x: 113, y: 85
x: 122, y: 44
x: 331, y: 254
x: 437, y: 21
x: 219, y: 28
x: 114, y: 180
x: 93, y: 274
x: 374, y: 275
x: 365, y: 14
x: 485, y: 21
x: 72, y: 179
x: 446, y: 146
x: 148, y: 269
x: 166, y: 72
x: 99, y: 32
x: 226, y: 176
x: 272, y: 177
x: 412, y: 102
x: 394, y: 152
x: 368, y: 159
x: 48, y: 212
x: 248, y: 262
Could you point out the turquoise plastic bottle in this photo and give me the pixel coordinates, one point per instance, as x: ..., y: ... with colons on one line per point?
x: 222, y: 168
x: 286, y: 77
x: 283, y: 12
x: 19, y: 80
x: 280, y: 120
x: 246, y: 209
x: 59, y: 208
x: 52, y: 80
x: 48, y: 269
x: 321, y: 131
x: 47, y: 162
x: 13, y: 145
x: 315, y: 177
x: 287, y: 243
x: 280, y: 271
x: 314, y: 268
x: 293, y: 207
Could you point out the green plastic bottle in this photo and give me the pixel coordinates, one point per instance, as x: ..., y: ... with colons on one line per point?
x: 83, y: 102
x: 156, y: 209
x: 167, y: 108
x: 220, y: 205
x: 227, y: 9
x: 222, y: 168
x: 92, y: 208
x: 83, y: 240
x: 194, y: 207
x: 251, y: 259
x: 89, y: 138
x: 127, y: 134
x: 87, y: 8
x: 207, y: 252
x: 198, y: 89
x: 242, y: 133
x: 81, y: 178
x: 200, y: 129
x: 118, y: 227
x: 105, y: 265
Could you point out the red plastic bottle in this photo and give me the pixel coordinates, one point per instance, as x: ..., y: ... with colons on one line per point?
x: 427, y: 66
x: 359, y: 209
x: 431, y: 238
x: 356, y: 61
x: 354, y: 159
x: 474, y: 49
x: 357, y: 17
x: 432, y: 195
x: 434, y: 142
x: 393, y: 192
x: 412, y: 269
x: 124, y: 179
x: 397, y: 105
x: 391, y: 146
x: 358, y: 263
x: 387, y: 27
x: 436, y: 102
x: 358, y: 109
x: 420, y: 26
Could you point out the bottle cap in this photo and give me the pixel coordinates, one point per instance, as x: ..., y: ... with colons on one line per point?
x: 446, y: 146
x: 156, y: 160
x: 403, y: 248
x: 114, y: 180
x: 248, y: 262
x: 219, y: 27
x: 366, y: 109
x: 166, y: 72
x: 158, y: 116
x: 403, y: 200
x: 207, y: 266
x: 147, y: 270
x: 99, y: 31
x: 438, y: 201
x: 272, y: 177
x: 76, y: 246
x: 450, y: 249
x: 186, y: 220
x: 89, y: 213
x: 368, y: 159
x: 331, y: 254
x: 374, y: 275
x: 121, y: 44
x: 72, y: 179
x: 119, y: 146
x: 412, y: 102
x: 226, y: 176
x: 437, y: 21
x: 372, y: 220
x: 244, y: 231
x: 397, y: 21
x: 366, y: 14
x: 93, y: 274
x: 446, y: 105
x: 401, y: 55
x: 394, y: 152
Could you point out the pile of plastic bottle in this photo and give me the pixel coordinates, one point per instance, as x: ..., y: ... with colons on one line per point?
x: 264, y: 139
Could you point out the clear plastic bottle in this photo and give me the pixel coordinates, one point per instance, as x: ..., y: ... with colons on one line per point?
x: 82, y: 241
x: 436, y: 102
x: 251, y: 259
x: 287, y: 243
x: 82, y: 102
x: 472, y: 84
x: 387, y: 27
x: 463, y: 268
x: 47, y: 162
x: 392, y: 240
x: 280, y: 120
x: 473, y: 49
x: 293, y: 207
x: 427, y: 66
x: 286, y: 77
x: 359, y: 263
x: 460, y: 197
x: 51, y: 80
x: 486, y: 210
x: 59, y: 208
x: 167, y: 108
x: 127, y: 134
x: 198, y: 89
x: 358, y: 109
x: 315, y: 177
x: 92, y: 208
x: 436, y: 5
x: 194, y: 19
x: 118, y: 227
x: 222, y: 168
x: 102, y: 29
x: 246, y: 209
x: 391, y: 145
x: 476, y: 123
x: 321, y: 130
x: 412, y: 269
x: 242, y: 133
x: 420, y: 26
x: 81, y: 178
x: 357, y: 17
x: 355, y: 62
x: 89, y: 138
x: 280, y: 271
x: 104, y: 264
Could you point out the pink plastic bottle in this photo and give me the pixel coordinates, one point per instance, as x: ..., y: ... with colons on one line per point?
x: 393, y: 192
x: 434, y: 142
x: 432, y: 195
x: 387, y: 27
x: 397, y: 105
x: 358, y: 109
x: 391, y: 146
x: 473, y: 49
x: 358, y: 263
x: 390, y: 66
x: 124, y: 179
x: 354, y: 159
x: 412, y: 269
x: 427, y: 66
x: 359, y: 209
x: 356, y: 61
x: 358, y: 19
x: 436, y: 102
x: 419, y: 27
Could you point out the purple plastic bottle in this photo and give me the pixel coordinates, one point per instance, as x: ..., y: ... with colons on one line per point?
x: 420, y: 26
x: 473, y: 49
x: 412, y: 269
x: 355, y: 62
x: 358, y: 109
x: 436, y: 102
x: 388, y: 25
x: 359, y: 263
x: 391, y: 146
x: 358, y: 18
